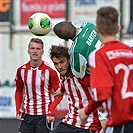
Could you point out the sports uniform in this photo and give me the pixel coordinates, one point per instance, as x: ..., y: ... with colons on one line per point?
x: 83, y: 44
x: 111, y: 78
x: 33, y: 88
x: 78, y: 97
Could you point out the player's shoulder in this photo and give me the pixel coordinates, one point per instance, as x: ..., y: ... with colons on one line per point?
x: 116, y: 46
x: 24, y: 66
x: 87, y: 24
x: 94, y: 54
x: 110, y: 47
x: 96, y: 51
x: 126, y: 46
x: 47, y: 66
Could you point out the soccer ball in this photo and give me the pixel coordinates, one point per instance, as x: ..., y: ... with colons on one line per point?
x: 40, y: 24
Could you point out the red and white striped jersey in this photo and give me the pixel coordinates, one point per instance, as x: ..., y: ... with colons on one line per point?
x: 111, y: 79
x: 78, y: 97
x: 34, y: 86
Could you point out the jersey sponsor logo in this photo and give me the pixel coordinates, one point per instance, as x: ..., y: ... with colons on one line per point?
x: 119, y: 54
x: 49, y: 112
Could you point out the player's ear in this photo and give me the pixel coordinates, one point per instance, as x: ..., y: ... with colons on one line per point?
x: 70, y: 21
x: 118, y: 28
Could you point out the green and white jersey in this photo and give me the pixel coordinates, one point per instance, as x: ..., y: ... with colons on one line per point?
x: 83, y: 44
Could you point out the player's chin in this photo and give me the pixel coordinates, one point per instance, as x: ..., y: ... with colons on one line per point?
x: 63, y: 73
x: 35, y: 58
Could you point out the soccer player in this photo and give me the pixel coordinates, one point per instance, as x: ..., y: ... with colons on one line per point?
x: 34, y: 83
x: 111, y: 79
x: 78, y: 96
x: 85, y: 40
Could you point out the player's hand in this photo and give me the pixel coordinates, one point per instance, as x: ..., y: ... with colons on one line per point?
x: 50, y: 119
x: 82, y: 115
x: 58, y: 93
x: 19, y: 116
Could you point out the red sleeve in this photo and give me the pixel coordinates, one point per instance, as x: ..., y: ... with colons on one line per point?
x: 53, y: 105
x: 54, y: 80
x: 92, y: 106
x: 18, y: 92
x: 100, y: 78
x: 85, y: 80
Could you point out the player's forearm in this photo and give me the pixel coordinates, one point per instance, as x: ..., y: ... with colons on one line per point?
x: 53, y: 106
x: 18, y: 101
x: 92, y: 107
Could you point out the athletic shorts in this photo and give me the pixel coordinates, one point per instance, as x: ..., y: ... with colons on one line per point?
x: 66, y: 128
x: 124, y: 128
x: 34, y: 124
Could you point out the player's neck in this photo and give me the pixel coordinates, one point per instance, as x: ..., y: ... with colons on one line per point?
x: 35, y: 63
x: 78, y: 30
x: 107, y: 38
x: 68, y: 72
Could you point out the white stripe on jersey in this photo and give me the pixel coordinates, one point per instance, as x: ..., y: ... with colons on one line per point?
x: 29, y: 83
x: 92, y: 59
x: 77, y: 97
x: 34, y: 105
x: 46, y: 93
x: 98, y: 44
x: 38, y: 92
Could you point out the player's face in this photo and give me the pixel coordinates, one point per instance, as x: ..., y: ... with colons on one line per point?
x: 62, y: 65
x: 35, y: 51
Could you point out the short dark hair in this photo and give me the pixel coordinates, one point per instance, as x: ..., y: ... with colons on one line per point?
x: 37, y: 40
x: 107, y: 20
x: 59, y: 51
x: 65, y: 30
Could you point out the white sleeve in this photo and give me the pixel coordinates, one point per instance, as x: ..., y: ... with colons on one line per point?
x: 102, y: 115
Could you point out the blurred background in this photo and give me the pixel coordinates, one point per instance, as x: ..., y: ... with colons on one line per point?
x: 15, y: 36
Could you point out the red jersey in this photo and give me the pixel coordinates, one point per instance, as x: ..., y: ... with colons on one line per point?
x: 112, y: 80
x: 78, y: 97
x: 33, y: 87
